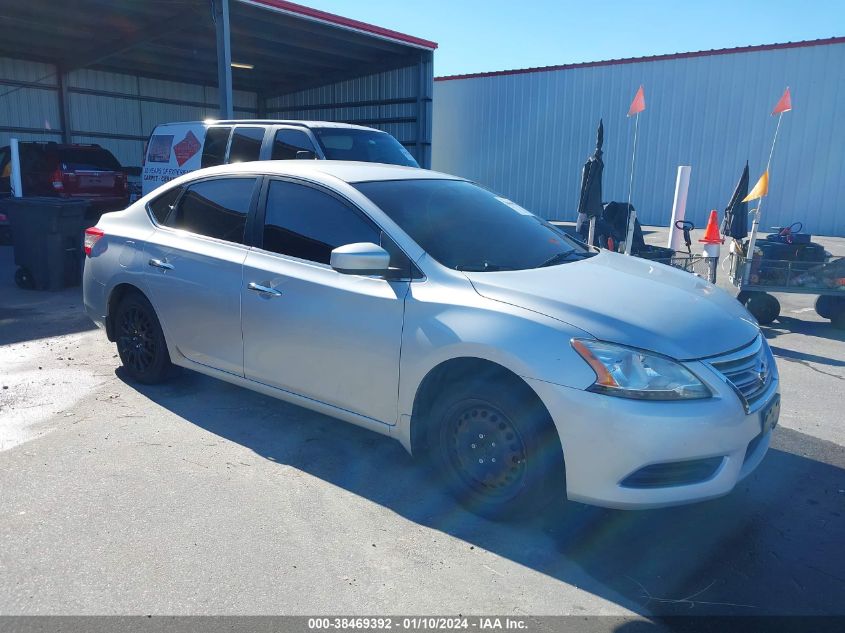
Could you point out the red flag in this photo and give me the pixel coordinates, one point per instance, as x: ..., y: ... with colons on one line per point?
x: 638, y: 104
x: 784, y: 104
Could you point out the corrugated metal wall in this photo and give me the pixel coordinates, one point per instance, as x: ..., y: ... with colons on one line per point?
x: 527, y: 135
x: 29, y: 107
x: 397, y: 101
x: 115, y: 110
x: 119, y: 111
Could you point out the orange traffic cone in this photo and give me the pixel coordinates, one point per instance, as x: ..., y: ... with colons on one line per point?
x: 711, y: 233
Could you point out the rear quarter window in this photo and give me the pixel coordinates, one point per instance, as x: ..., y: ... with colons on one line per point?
x: 162, y: 206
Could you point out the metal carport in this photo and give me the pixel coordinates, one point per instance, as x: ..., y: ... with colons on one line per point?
x: 107, y: 71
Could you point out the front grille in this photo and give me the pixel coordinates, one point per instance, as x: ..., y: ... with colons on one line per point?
x: 749, y: 370
x: 673, y: 473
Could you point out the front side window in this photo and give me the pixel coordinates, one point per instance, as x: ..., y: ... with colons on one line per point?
x: 304, y: 222
x: 214, y: 148
x: 246, y: 144
x: 466, y: 227
x: 288, y: 142
x: 215, y: 208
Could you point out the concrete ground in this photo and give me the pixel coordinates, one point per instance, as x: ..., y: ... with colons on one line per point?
x: 200, y: 497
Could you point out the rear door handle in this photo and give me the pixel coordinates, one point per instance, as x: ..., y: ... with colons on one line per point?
x: 265, y: 290
x: 157, y: 263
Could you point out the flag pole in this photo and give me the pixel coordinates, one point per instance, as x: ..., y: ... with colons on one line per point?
x: 755, y: 224
x: 632, y: 215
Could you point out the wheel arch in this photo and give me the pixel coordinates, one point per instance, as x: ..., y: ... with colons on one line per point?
x: 451, y: 371
x: 116, y: 295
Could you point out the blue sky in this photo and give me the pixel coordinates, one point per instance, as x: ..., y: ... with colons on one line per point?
x: 477, y: 36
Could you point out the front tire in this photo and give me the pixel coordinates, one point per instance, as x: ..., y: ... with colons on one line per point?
x: 496, y: 450
x: 140, y: 341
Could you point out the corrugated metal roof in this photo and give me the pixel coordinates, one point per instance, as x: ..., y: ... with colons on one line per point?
x: 649, y: 58
x: 347, y: 23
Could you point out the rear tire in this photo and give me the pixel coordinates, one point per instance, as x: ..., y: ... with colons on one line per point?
x: 140, y: 340
x: 496, y: 449
x: 763, y: 307
x: 827, y: 306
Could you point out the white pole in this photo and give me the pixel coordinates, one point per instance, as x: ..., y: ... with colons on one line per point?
x: 679, y: 207
x: 591, y: 234
x: 632, y: 215
x: 752, y: 239
x: 15, y: 176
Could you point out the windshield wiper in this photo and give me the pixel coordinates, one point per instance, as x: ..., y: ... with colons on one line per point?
x: 565, y: 256
x: 482, y: 267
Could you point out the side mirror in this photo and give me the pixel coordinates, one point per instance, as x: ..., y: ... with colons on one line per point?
x: 363, y: 258
x: 305, y: 154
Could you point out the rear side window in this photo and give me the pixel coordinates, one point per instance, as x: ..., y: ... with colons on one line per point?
x: 215, y: 208
x: 246, y: 144
x: 287, y: 143
x: 163, y: 205
x: 214, y: 149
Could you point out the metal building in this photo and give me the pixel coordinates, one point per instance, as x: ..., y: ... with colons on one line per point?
x: 526, y: 133
x: 108, y: 72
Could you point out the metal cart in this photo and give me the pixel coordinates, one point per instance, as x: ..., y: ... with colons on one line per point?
x: 704, y: 267
x: 756, y: 278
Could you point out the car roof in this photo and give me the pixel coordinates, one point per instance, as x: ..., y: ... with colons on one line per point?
x: 296, y: 122
x: 347, y: 171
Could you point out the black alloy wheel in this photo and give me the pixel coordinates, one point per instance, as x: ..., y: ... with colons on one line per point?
x: 140, y: 340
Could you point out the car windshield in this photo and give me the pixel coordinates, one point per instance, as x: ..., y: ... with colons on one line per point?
x: 369, y: 146
x: 466, y: 227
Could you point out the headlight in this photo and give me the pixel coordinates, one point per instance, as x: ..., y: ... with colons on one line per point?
x: 627, y: 372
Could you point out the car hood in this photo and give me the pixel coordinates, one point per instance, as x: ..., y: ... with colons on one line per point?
x: 630, y: 301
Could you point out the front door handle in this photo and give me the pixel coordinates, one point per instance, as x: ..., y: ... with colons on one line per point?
x: 265, y: 290
x: 157, y: 263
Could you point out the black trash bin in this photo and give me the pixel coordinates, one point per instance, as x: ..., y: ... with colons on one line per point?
x: 47, y: 237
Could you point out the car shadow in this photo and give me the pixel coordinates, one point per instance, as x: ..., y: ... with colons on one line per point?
x: 804, y: 357
x: 771, y: 547
x: 791, y: 325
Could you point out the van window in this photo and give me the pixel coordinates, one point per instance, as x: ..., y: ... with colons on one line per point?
x: 369, y: 146
x: 288, y: 142
x: 246, y: 144
x: 215, y: 208
x: 214, y: 150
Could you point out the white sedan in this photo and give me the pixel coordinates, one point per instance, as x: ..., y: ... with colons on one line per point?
x: 523, y: 365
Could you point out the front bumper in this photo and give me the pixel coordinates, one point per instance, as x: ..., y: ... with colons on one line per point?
x: 606, y: 439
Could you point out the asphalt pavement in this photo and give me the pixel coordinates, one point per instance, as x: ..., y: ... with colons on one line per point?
x: 198, y: 497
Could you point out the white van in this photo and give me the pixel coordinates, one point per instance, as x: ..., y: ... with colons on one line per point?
x: 178, y: 148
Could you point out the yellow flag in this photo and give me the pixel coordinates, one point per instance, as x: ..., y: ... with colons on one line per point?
x: 760, y: 189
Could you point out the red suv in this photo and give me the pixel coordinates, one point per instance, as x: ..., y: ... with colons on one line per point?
x: 69, y: 171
